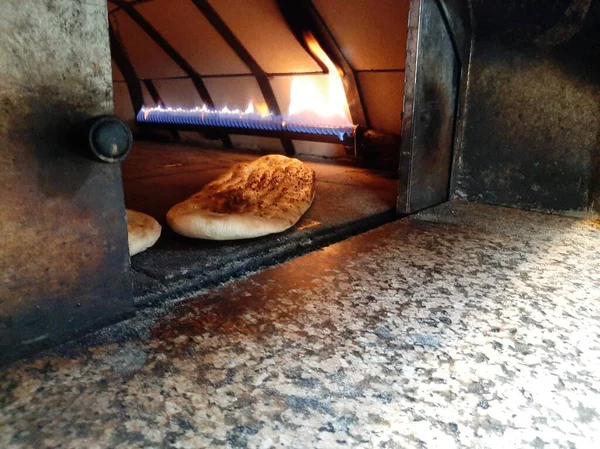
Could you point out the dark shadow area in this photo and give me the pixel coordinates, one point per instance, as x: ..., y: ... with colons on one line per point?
x: 531, y: 139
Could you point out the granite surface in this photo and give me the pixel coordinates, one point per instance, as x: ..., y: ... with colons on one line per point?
x: 467, y: 326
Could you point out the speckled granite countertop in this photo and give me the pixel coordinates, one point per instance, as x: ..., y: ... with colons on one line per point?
x: 467, y: 326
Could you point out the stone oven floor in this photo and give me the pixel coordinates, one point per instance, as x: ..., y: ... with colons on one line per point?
x: 156, y: 176
x: 466, y: 326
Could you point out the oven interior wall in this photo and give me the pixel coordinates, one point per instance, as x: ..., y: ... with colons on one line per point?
x: 532, y: 128
x: 371, y: 35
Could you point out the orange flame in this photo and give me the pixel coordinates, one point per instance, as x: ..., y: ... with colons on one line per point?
x: 309, y: 104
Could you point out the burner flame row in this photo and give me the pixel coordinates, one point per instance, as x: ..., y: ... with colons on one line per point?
x: 236, y: 118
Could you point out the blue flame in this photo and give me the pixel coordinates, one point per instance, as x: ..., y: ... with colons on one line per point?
x: 236, y: 119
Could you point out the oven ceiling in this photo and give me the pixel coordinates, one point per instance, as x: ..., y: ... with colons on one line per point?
x: 371, y: 36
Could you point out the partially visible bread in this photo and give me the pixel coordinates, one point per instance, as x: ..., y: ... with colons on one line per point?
x: 142, y: 231
x: 253, y: 199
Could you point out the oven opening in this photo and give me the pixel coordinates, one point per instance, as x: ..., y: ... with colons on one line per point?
x: 147, y: 102
x: 207, y: 85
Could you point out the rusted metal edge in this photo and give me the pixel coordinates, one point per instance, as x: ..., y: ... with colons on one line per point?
x: 408, y: 109
x: 458, y: 115
x: 463, y: 94
x: 451, y: 32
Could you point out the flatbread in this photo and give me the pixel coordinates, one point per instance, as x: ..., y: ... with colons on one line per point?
x: 266, y: 196
x: 142, y: 231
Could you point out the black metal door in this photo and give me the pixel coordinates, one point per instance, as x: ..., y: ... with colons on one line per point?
x: 433, y: 71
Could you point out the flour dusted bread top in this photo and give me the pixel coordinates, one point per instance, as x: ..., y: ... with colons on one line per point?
x: 253, y: 199
x: 142, y: 231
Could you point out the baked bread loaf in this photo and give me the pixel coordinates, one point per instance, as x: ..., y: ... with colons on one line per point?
x: 266, y: 196
x: 142, y: 231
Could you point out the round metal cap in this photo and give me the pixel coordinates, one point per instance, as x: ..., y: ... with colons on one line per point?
x: 110, y: 139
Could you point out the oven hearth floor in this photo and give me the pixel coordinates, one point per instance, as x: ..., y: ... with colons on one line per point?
x: 466, y: 326
x: 156, y: 176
